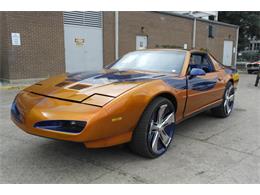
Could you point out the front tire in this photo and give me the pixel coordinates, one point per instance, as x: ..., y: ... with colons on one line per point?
x: 155, y: 130
x: 226, y: 107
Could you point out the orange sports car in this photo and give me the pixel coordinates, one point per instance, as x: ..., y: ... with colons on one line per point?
x: 138, y: 99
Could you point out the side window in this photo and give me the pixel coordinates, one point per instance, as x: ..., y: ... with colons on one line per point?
x: 207, y: 65
x: 201, y: 61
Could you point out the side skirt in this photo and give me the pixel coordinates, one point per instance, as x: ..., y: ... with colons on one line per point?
x: 203, y: 109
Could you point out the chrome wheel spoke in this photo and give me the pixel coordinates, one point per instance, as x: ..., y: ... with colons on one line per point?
x: 160, y: 113
x: 225, y: 103
x: 226, y: 95
x: 168, y: 120
x: 165, y: 138
x: 231, y: 98
x: 229, y: 91
x: 153, y: 127
x: 227, y: 106
x: 160, y: 139
x: 155, y: 141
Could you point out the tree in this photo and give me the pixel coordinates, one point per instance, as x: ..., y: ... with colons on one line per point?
x: 248, y: 22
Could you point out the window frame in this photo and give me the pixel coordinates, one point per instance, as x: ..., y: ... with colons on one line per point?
x: 110, y: 66
x: 208, y: 60
x: 210, y: 31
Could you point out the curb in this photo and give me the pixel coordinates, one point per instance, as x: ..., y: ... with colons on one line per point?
x: 12, y: 87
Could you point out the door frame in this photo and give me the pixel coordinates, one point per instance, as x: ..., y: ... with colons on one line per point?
x: 232, y: 44
x: 83, y: 28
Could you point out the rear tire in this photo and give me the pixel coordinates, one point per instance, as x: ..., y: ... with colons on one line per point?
x: 226, y: 107
x: 155, y: 130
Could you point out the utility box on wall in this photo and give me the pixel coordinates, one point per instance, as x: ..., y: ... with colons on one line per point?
x: 141, y: 42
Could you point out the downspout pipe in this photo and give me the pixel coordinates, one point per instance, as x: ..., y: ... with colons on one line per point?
x: 235, y: 61
x: 194, y: 33
x: 116, y: 35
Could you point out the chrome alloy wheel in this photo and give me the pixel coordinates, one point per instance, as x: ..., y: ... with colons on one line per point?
x: 161, y: 129
x: 229, y: 100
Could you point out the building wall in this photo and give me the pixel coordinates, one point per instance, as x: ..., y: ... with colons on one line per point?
x: 108, y: 37
x: 215, y: 45
x: 4, y: 68
x: 163, y: 29
x: 1, y: 15
x: 41, y: 53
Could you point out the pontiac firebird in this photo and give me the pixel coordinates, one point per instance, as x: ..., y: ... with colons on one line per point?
x: 138, y: 100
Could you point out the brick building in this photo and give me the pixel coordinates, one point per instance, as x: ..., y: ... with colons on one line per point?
x: 35, y: 45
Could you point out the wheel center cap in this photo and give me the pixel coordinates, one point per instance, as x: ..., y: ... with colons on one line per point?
x: 160, y: 128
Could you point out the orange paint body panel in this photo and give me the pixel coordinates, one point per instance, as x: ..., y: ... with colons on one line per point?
x: 111, y: 102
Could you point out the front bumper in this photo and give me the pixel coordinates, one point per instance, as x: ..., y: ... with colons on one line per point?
x: 31, y: 109
x: 253, y: 68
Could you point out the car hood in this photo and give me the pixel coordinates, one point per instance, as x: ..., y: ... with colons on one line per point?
x: 80, y: 86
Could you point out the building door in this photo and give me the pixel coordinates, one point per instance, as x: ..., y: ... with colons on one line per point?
x: 83, y: 41
x: 141, y: 42
x: 227, y: 53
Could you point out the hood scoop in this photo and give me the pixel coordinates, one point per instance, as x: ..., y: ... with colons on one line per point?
x: 75, y: 87
x: 79, y: 86
x: 63, y: 84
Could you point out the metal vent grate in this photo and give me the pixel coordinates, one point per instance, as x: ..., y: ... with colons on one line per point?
x: 79, y: 86
x: 90, y: 18
x: 62, y: 84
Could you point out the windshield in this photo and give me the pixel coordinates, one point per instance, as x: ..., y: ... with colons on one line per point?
x: 162, y: 61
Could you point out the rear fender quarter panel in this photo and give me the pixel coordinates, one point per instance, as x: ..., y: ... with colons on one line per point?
x: 230, y: 75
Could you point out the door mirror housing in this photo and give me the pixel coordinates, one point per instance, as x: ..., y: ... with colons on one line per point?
x: 197, y: 72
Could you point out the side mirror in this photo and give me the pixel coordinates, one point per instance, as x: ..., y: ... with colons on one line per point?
x: 197, y: 72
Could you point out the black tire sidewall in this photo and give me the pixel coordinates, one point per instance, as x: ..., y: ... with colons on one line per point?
x: 229, y: 84
x: 166, y: 101
x: 140, y: 142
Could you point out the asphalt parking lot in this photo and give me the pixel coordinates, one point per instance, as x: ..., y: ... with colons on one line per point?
x: 205, y: 150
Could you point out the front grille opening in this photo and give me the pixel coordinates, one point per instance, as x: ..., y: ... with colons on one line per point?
x: 79, y: 86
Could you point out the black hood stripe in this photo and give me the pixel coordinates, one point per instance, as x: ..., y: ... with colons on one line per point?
x: 108, y: 77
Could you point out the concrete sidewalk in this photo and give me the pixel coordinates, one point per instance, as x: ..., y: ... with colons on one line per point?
x: 205, y: 150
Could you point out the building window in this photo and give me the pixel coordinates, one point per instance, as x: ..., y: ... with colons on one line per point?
x: 257, y: 46
x: 210, y: 34
x: 211, y: 17
x: 250, y: 46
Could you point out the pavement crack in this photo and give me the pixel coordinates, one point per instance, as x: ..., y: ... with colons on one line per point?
x: 223, y: 147
x: 229, y: 167
x: 100, y: 176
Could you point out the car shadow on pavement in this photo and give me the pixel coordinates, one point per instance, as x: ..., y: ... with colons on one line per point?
x: 78, y: 151
x: 44, y: 160
x: 121, y: 153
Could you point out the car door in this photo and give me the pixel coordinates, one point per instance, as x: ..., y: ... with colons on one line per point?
x: 202, y: 90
